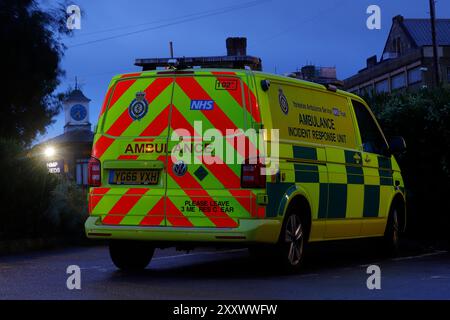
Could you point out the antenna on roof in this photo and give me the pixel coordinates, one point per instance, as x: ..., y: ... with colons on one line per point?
x: 78, y: 83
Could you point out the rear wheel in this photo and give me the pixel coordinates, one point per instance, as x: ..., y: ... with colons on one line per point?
x: 130, y: 255
x: 288, y: 253
x: 292, y: 242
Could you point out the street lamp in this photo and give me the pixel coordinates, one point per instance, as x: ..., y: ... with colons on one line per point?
x: 49, y: 152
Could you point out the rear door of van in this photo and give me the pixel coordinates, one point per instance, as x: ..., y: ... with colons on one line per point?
x: 204, y: 175
x: 179, y: 108
x: 131, y: 144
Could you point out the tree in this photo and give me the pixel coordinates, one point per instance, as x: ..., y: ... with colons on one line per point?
x: 31, y: 54
x: 423, y: 119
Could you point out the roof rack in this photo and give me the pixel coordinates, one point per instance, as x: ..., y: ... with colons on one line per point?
x: 228, y: 62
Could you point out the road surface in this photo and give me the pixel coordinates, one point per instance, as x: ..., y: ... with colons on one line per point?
x: 333, y: 271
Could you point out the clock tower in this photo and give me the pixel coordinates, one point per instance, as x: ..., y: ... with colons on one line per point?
x: 76, y: 109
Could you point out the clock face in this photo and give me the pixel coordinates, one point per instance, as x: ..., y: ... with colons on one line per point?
x: 78, y: 112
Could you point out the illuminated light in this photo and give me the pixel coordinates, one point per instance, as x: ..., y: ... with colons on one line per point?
x: 94, y: 172
x: 49, y: 152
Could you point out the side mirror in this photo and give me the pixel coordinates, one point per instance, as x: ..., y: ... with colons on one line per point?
x: 397, y: 145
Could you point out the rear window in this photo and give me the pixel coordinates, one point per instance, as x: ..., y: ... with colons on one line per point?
x: 139, y: 107
x: 215, y: 102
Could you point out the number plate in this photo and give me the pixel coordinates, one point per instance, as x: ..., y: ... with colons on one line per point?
x: 134, y: 176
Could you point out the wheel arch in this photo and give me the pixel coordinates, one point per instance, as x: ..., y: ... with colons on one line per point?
x: 298, y: 198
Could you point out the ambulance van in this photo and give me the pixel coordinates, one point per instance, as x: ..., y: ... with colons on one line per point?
x: 333, y: 174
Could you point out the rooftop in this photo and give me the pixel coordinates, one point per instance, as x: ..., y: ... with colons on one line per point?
x: 420, y: 31
x: 77, y: 95
x: 72, y: 136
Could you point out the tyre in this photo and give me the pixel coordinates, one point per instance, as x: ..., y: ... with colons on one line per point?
x: 288, y: 254
x: 130, y: 255
x: 391, y: 238
x: 292, y: 242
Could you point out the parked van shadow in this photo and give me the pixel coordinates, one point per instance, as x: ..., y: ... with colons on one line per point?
x: 238, y: 264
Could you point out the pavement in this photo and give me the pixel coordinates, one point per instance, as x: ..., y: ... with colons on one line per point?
x: 332, y: 271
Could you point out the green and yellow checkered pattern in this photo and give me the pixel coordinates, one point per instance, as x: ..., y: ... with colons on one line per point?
x: 337, y: 183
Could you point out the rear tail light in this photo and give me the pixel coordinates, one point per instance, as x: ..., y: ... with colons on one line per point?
x: 94, y: 172
x: 252, y: 175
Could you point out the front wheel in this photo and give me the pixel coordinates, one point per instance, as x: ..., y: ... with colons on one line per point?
x: 391, y: 237
x: 130, y: 255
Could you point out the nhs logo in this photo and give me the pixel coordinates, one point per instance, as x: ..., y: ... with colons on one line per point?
x: 202, y: 104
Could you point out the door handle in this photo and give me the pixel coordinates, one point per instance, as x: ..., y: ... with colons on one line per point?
x: 367, y: 158
x: 357, y: 157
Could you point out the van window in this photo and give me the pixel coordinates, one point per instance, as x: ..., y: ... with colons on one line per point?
x: 371, y: 137
x: 214, y: 101
x: 150, y: 99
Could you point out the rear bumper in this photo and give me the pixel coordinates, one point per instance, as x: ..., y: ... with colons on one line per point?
x: 248, y: 231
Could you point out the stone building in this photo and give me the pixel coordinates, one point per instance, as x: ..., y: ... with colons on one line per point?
x: 70, y: 152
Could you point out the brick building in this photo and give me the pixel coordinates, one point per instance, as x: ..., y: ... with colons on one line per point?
x: 407, y: 58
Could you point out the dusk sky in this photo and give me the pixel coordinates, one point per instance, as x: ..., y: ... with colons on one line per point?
x: 286, y: 34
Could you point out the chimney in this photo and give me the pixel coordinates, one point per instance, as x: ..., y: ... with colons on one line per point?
x: 372, y: 61
x: 236, y: 46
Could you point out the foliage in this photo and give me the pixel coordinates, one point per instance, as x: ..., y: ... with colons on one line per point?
x: 25, y: 196
x: 68, y: 209
x: 31, y: 54
x: 423, y: 119
x: 34, y: 202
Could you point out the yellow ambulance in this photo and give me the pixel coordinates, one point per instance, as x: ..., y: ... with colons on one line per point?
x: 173, y: 164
